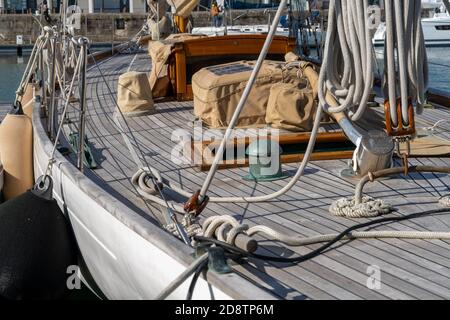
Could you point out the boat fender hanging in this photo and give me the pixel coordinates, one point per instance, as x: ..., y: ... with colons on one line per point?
x: 16, y: 150
x: 36, y: 246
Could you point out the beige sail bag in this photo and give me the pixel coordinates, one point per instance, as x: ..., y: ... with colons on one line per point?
x: 218, y: 89
x: 291, y: 106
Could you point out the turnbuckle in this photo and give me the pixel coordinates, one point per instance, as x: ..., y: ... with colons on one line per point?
x: 403, y: 155
x: 401, y: 129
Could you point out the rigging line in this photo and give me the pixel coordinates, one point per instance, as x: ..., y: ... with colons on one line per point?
x: 120, y: 112
x: 179, y: 280
x: 410, y: 177
x: 344, y: 225
x: 171, y: 216
x: 150, y: 197
x: 201, y: 268
x: 155, y: 173
x: 395, y: 190
x: 117, y: 163
x: 241, y: 104
x: 95, y: 129
x: 427, y: 180
x: 91, y: 54
x: 134, y: 155
x: 433, y: 160
x: 52, y: 154
x: 32, y: 62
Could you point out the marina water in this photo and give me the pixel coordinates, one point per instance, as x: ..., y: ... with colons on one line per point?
x: 12, y: 67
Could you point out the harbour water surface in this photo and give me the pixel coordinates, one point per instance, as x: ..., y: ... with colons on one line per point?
x: 12, y: 67
x: 11, y: 70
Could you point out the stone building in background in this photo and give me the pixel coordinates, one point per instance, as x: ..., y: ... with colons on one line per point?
x: 88, y: 6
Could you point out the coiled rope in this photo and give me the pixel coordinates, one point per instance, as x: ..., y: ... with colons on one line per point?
x: 445, y: 201
x: 347, y: 64
x: 369, y: 207
x: 328, y: 240
x: 406, y: 73
x: 226, y: 222
x: 408, y: 78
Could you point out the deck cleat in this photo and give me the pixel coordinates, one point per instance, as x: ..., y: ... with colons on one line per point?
x: 88, y: 157
x: 217, y: 261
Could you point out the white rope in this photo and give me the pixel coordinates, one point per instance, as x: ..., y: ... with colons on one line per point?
x: 437, y: 124
x: 147, y: 190
x: 261, y: 198
x: 32, y: 62
x: 404, y: 40
x: 248, y: 199
x: 445, y: 201
x: 191, y: 227
x: 347, y: 64
x: 219, y: 153
x: 348, y: 49
x: 225, y: 222
x: 369, y: 207
x: 220, y: 226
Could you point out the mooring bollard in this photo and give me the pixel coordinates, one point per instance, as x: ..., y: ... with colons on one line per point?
x: 19, y: 44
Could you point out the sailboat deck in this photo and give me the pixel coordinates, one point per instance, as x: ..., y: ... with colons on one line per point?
x: 410, y: 269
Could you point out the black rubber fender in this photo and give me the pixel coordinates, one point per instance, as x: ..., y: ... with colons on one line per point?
x: 36, y: 247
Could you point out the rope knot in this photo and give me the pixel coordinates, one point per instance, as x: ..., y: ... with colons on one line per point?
x: 191, y: 226
x: 224, y: 228
x: 369, y: 207
x: 445, y: 201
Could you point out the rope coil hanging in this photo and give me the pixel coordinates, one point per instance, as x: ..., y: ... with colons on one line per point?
x: 407, y: 76
x: 347, y: 64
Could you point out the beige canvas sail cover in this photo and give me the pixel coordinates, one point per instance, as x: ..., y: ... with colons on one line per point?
x: 160, y: 52
x: 291, y: 106
x: 159, y: 79
x: 218, y: 89
x: 134, y: 94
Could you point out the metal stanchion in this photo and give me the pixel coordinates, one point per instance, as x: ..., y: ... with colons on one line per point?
x: 84, y: 43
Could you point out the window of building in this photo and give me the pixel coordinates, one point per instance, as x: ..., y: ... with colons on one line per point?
x: 110, y: 5
x: 15, y: 6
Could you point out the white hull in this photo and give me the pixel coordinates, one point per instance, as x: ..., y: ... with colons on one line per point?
x: 436, y: 32
x: 127, y: 255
